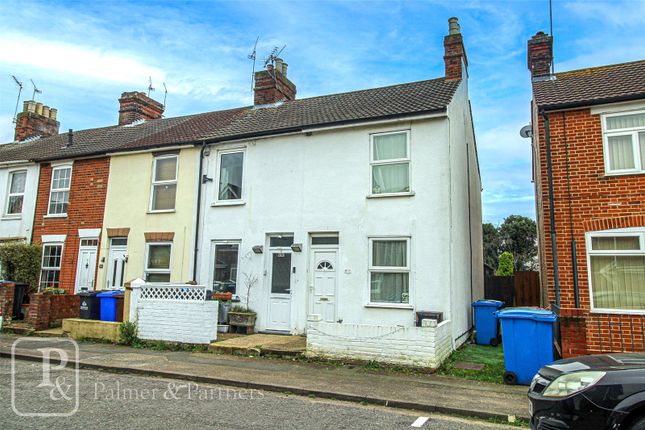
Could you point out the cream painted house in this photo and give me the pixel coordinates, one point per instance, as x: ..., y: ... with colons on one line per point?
x: 149, y: 217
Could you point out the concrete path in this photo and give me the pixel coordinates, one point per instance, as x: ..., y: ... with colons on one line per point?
x: 261, y: 344
x: 429, y: 393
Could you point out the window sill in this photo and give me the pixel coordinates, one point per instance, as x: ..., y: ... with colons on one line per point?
x: 383, y: 196
x: 167, y: 211
x: 624, y: 173
x: 618, y: 311
x: 55, y: 216
x: 390, y: 306
x: 227, y: 203
x: 11, y: 217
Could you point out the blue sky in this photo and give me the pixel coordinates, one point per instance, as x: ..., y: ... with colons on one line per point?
x: 84, y: 54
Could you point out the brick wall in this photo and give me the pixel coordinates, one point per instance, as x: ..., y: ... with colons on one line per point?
x: 85, y: 210
x: 47, y: 310
x: 6, y: 299
x: 425, y: 346
x: 598, y: 202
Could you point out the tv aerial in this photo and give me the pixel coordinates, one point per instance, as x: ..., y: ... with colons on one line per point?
x: 253, y: 56
x: 165, y: 93
x: 150, y: 87
x: 36, y: 90
x: 15, y: 112
x: 275, y: 52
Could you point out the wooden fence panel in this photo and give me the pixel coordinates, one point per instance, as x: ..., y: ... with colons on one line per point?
x: 527, y: 289
x: 500, y: 288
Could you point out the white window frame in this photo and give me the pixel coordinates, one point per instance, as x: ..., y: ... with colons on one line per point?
x: 147, y: 270
x: 51, y: 268
x: 10, y: 194
x: 214, y: 244
x: 154, y: 182
x: 389, y: 269
x: 218, y: 171
x: 633, y: 132
x: 625, y: 232
x: 407, y: 159
x: 53, y: 190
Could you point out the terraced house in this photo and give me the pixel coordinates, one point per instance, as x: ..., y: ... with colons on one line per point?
x: 349, y: 217
x: 589, y: 165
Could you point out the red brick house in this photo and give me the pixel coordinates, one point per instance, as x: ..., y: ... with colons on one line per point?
x: 588, y: 139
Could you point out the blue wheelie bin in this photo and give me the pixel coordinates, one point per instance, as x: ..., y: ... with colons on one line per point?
x: 108, y: 304
x: 528, y: 342
x: 485, y: 321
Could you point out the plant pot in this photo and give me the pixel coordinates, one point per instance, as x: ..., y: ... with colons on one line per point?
x: 223, y: 296
x: 242, y: 319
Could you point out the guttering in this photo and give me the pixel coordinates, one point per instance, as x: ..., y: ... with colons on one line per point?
x: 587, y: 103
x: 15, y: 162
x: 554, y: 248
x: 198, y: 211
x: 149, y: 149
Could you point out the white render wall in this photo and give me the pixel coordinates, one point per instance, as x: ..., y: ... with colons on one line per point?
x: 302, y: 184
x: 426, y: 346
x: 12, y: 226
x: 178, y: 320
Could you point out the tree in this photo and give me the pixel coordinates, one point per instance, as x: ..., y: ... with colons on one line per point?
x: 20, y: 262
x: 505, y: 264
x: 492, y: 244
x: 518, y: 235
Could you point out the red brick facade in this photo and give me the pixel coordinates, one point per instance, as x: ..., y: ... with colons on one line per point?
x: 47, y: 310
x: 85, y: 211
x: 595, y: 202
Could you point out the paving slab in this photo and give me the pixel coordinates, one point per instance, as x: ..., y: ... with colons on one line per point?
x: 261, y: 344
x: 431, y: 393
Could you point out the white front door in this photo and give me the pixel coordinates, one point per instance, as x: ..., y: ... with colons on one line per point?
x: 86, y: 266
x: 117, y: 259
x: 280, y: 290
x: 323, y: 283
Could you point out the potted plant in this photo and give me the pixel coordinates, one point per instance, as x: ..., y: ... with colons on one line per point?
x: 243, y: 316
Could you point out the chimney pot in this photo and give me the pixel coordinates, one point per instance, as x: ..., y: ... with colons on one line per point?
x: 52, y: 113
x: 278, y: 64
x: 35, y: 120
x: 284, y: 69
x: 39, y: 108
x: 453, y: 26
x: 269, y: 66
x: 46, y: 111
x: 31, y: 106
x: 70, y: 137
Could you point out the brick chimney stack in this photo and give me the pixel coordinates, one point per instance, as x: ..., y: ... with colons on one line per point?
x: 272, y: 84
x: 135, y: 106
x: 36, y: 120
x: 540, y: 54
x: 454, y: 52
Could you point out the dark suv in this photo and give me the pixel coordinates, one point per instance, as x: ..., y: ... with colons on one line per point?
x: 590, y: 392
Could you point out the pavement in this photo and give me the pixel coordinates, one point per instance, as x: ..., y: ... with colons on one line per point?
x: 113, y: 401
x: 429, y: 393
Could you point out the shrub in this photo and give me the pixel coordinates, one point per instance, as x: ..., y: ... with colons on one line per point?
x: 128, y: 333
x: 505, y: 264
x: 20, y: 262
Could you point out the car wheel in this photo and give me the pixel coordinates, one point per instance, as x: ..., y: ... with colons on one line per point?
x: 639, y: 424
x: 510, y: 378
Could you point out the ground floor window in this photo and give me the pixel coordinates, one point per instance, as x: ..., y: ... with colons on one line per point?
x: 225, y: 263
x: 158, y: 262
x: 617, y: 269
x: 389, y: 270
x: 50, y: 266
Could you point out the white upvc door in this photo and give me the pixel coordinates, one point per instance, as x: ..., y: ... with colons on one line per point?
x: 279, y: 275
x: 86, y: 266
x: 323, y: 283
x: 117, y: 260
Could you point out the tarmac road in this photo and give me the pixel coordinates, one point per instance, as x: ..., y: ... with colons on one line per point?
x: 111, y: 401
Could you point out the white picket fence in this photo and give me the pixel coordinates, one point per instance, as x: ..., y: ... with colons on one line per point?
x: 173, y: 312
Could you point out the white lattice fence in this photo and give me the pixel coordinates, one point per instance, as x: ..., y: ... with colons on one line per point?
x: 176, y: 313
x: 173, y: 292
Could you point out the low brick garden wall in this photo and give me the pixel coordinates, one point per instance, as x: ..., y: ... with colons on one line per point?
x: 47, y: 309
x: 6, y: 299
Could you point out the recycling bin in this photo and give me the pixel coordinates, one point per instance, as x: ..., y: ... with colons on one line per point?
x: 528, y: 342
x: 485, y: 321
x: 108, y: 305
x: 90, y: 305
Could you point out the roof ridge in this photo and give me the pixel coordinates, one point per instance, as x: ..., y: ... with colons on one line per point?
x: 596, y: 68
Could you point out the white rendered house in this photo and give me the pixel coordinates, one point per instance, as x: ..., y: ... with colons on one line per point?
x: 352, y: 212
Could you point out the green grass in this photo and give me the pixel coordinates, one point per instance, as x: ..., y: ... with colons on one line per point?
x: 491, y: 357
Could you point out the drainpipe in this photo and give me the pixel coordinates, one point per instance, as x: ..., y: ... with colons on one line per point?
x: 554, y: 250
x: 198, y: 211
x: 574, y: 257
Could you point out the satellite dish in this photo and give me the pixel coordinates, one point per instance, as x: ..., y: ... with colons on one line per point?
x: 526, y: 131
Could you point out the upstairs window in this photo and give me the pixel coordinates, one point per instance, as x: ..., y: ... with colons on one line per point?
x: 390, y: 163
x: 164, y: 183
x: 624, y: 142
x: 16, y: 192
x: 617, y: 269
x: 231, y: 172
x: 59, y: 193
